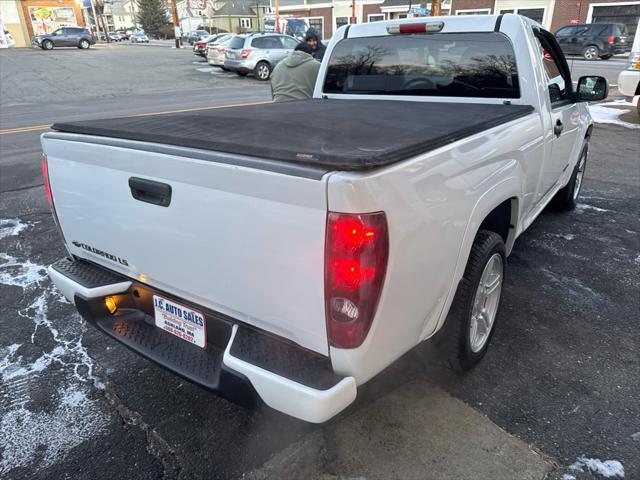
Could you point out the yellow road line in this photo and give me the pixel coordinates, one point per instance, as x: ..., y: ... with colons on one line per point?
x: 35, y: 128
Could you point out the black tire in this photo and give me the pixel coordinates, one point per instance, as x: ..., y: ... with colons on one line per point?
x: 47, y: 45
x: 84, y: 44
x: 455, y: 338
x: 262, y: 71
x: 567, y: 197
x: 605, y: 57
x: 590, y: 52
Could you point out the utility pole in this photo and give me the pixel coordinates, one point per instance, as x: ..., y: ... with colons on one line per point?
x: 258, y: 15
x: 176, y: 25
x: 133, y: 15
x: 435, y: 8
x: 95, y: 19
x: 353, y: 11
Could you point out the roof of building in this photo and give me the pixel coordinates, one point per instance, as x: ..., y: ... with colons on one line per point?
x: 240, y: 8
x: 399, y: 3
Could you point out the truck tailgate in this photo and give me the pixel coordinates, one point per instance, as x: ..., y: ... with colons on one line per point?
x: 246, y: 242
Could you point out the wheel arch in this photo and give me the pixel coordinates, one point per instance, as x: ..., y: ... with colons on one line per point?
x: 492, y: 211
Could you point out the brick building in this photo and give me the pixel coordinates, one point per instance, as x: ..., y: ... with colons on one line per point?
x: 26, y: 17
x: 555, y: 13
x: 327, y: 16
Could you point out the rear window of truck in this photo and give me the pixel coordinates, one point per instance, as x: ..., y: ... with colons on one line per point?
x: 442, y: 64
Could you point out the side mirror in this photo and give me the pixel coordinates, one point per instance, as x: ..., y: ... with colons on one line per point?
x: 591, y: 89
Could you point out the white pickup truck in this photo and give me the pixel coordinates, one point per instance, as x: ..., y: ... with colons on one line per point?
x: 305, y: 246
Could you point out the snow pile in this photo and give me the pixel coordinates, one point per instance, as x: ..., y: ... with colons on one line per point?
x: 602, y: 113
x: 607, y: 469
x: 636, y: 436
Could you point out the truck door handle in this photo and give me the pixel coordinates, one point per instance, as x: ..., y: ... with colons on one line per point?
x: 557, y: 128
x: 149, y: 191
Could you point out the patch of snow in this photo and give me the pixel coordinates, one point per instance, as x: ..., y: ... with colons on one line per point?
x: 20, y: 274
x: 581, y: 207
x: 607, y: 468
x: 603, y: 114
x: 47, y: 436
x: 636, y: 437
x: 74, y: 398
x: 26, y: 436
x: 568, y: 476
x: 11, y: 226
x: 565, y: 236
x: 619, y: 102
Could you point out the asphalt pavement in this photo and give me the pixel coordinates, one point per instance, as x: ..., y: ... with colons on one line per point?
x: 609, y: 69
x: 558, y: 388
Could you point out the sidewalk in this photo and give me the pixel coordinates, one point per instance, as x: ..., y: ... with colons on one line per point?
x: 417, y: 431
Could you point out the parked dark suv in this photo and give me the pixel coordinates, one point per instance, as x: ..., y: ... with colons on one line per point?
x: 594, y: 40
x: 65, y: 37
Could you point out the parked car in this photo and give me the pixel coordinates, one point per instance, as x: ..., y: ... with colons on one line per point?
x: 257, y: 53
x: 139, y: 37
x: 114, y: 37
x: 629, y: 79
x: 200, y: 48
x: 594, y: 40
x: 197, y: 35
x: 215, y: 52
x: 65, y: 37
x: 122, y: 35
x: 308, y: 245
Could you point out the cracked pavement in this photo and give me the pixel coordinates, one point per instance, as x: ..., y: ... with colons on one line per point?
x: 559, y: 382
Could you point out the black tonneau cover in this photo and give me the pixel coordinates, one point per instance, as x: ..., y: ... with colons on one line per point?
x: 332, y: 134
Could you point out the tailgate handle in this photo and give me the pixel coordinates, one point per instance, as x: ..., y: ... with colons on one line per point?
x: 149, y: 191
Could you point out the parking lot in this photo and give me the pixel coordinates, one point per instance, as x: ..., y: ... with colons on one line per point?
x: 556, y: 396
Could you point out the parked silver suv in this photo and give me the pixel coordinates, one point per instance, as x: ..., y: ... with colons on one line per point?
x: 257, y: 53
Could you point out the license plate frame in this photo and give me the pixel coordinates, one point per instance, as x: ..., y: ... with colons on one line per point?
x: 179, y: 320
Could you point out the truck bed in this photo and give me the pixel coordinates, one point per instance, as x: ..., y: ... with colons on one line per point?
x: 329, y: 134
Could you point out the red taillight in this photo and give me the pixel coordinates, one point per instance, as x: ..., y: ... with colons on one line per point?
x: 245, y: 53
x: 356, y: 251
x: 611, y: 39
x: 220, y: 49
x: 202, y: 45
x: 45, y: 180
x: 47, y: 191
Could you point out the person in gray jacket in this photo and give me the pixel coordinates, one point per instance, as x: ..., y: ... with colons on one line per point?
x: 295, y: 77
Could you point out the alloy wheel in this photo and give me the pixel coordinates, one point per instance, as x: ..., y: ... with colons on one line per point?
x: 485, y: 303
x: 579, y: 176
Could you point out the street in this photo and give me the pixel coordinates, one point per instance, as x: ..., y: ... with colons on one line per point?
x: 558, y: 388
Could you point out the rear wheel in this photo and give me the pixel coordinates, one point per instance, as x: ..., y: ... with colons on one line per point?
x: 591, y: 52
x: 470, y: 324
x: 567, y: 197
x: 262, y: 71
x: 84, y: 44
x: 605, y: 57
x: 47, y: 45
